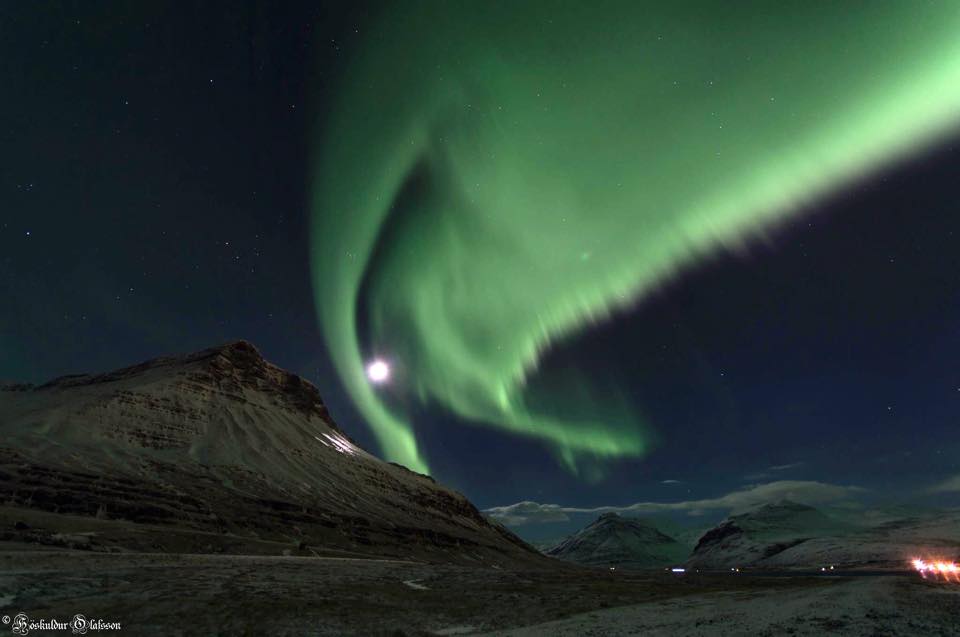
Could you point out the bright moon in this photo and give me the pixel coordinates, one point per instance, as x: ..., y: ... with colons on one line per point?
x: 378, y: 371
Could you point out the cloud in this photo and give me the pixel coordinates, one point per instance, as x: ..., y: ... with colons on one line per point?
x: 784, y: 467
x: 671, y: 482
x: 948, y: 485
x: 527, y: 512
x: 763, y: 475
x: 803, y: 491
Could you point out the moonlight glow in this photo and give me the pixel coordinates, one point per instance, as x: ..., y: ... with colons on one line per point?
x: 378, y: 371
x: 492, y: 178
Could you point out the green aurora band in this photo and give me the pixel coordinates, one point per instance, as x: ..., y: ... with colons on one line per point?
x: 494, y: 176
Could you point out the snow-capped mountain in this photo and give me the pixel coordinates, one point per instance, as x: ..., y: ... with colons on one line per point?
x: 218, y: 450
x: 791, y: 535
x: 612, y: 540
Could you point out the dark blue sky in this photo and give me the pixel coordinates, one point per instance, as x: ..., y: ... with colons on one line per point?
x: 153, y: 201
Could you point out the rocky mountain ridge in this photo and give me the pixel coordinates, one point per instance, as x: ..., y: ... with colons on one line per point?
x: 218, y: 450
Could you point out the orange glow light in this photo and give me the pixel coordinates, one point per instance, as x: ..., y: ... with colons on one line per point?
x: 950, y: 571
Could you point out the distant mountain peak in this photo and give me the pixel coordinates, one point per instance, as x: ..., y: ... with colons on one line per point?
x: 613, y: 540
x: 771, y: 533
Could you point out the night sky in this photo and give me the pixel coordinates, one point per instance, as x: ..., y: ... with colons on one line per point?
x: 334, y: 185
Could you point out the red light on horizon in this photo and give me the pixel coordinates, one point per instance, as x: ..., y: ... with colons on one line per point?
x: 950, y: 571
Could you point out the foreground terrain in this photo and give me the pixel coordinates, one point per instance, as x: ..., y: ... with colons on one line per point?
x: 155, y: 594
x: 864, y: 606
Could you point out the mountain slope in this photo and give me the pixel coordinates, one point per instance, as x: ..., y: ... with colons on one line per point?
x: 218, y: 450
x: 761, y: 535
x: 790, y: 535
x: 625, y: 542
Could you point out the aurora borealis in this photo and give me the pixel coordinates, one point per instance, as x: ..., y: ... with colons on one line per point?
x: 520, y: 210
x: 490, y: 179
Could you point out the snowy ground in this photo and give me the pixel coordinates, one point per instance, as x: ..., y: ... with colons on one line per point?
x: 861, y: 606
x: 155, y: 594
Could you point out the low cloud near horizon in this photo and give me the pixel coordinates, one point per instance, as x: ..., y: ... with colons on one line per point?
x: 766, y: 473
x: 784, y: 467
x: 802, y: 491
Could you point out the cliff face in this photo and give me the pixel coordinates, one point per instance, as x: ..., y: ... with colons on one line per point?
x: 218, y: 450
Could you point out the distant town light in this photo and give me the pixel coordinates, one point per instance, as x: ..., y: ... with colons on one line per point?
x: 950, y: 571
